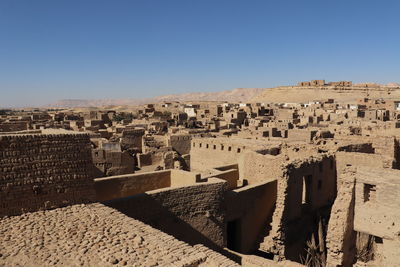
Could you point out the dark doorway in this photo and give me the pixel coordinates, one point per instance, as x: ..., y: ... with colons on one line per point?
x: 307, y: 183
x: 233, y: 235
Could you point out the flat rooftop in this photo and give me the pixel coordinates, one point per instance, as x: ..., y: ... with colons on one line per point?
x: 94, y: 235
x: 241, y: 142
x: 42, y: 131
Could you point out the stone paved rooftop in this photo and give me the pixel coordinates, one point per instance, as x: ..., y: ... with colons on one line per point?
x: 94, y: 235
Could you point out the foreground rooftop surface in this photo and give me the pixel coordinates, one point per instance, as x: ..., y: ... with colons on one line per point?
x: 94, y: 235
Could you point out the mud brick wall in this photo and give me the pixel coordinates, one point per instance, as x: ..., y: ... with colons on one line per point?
x: 387, y: 147
x: 181, y: 143
x: 14, y: 126
x: 293, y: 220
x: 210, y: 153
x: 194, y: 214
x: 253, y: 206
x: 341, y: 237
x: 377, y: 202
x: 42, y: 171
x: 121, y: 186
x: 133, y: 138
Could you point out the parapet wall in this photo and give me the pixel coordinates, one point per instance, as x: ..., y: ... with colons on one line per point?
x: 130, y: 184
x: 206, y: 153
x: 182, y: 178
x: 44, y: 171
x: 231, y: 176
x: 127, y: 185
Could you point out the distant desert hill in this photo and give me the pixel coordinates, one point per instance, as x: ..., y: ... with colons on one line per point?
x: 393, y: 85
x: 76, y: 103
x: 235, y: 95
x: 297, y: 94
x: 262, y: 95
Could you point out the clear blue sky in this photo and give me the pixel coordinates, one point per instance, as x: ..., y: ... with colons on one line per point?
x: 58, y: 49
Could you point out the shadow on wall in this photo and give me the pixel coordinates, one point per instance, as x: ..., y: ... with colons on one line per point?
x: 249, y: 215
x: 305, y: 229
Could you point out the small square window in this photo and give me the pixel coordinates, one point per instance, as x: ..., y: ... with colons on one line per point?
x: 369, y: 192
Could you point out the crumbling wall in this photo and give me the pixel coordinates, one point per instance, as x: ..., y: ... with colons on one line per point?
x: 43, y: 171
x: 194, y: 214
x: 306, y: 191
x: 318, y: 191
x: 163, y: 158
x: 274, y: 240
x: 367, y: 204
x: 372, y: 213
x: 168, y: 160
x: 121, y: 163
x: 132, y: 139
x: 110, y: 163
x: 181, y: 143
x: 340, y: 240
x: 359, y: 148
x: 377, y: 202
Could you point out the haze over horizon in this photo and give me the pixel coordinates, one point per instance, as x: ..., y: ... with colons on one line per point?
x: 51, y: 50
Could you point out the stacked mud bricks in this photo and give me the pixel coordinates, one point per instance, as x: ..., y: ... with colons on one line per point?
x: 44, y: 171
x: 14, y: 126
